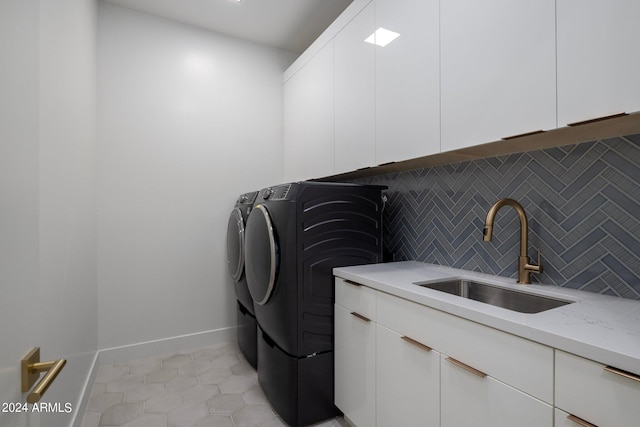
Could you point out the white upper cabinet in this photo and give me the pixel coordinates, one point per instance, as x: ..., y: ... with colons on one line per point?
x: 407, y: 80
x: 460, y: 73
x: 294, y: 128
x: 308, y: 119
x: 354, y: 94
x: 598, y: 58
x: 319, y: 116
x: 498, y: 69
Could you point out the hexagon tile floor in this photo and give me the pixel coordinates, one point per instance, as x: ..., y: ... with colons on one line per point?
x: 208, y: 387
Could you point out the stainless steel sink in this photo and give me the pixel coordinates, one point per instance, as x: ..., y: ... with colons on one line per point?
x: 522, y: 302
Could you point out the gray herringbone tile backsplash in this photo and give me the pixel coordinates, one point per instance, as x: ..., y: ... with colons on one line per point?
x: 582, y: 202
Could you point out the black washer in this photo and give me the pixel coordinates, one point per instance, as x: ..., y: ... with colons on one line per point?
x: 247, y: 323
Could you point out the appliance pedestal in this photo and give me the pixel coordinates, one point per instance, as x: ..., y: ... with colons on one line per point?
x: 299, y: 389
x: 248, y: 335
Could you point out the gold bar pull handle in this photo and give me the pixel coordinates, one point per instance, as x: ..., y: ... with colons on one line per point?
x: 580, y: 421
x: 351, y: 282
x: 622, y: 373
x: 360, y: 316
x: 597, y: 119
x: 31, y: 368
x: 466, y: 367
x: 416, y: 343
x: 520, y: 135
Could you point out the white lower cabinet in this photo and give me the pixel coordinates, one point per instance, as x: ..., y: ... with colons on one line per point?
x: 471, y: 399
x: 563, y: 419
x: 600, y: 395
x: 407, y: 381
x: 355, y: 338
x: 399, y: 363
x: 521, y: 363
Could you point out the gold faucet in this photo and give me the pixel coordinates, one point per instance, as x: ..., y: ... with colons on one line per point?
x: 524, y: 268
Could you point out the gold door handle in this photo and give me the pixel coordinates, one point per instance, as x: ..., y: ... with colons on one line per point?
x: 416, y: 343
x: 360, y: 316
x: 31, y: 368
x: 580, y: 421
x: 466, y: 367
x: 622, y: 373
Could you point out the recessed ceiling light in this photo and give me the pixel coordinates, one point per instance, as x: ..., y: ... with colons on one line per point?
x: 382, y: 37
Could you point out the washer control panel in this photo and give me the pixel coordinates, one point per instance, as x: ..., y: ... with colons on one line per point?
x: 247, y: 198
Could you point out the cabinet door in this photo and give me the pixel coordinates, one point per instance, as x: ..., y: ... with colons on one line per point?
x: 308, y: 119
x: 319, y: 114
x: 597, y: 58
x: 471, y: 400
x: 600, y: 396
x: 408, y: 382
x: 355, y: 367
x: 294, y: 128
x: 408, y: 80
x: 498, y: 69
x: 354, y: 94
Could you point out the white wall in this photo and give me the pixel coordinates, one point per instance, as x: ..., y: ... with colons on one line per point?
x: 187, y: 120
x: 67, y: 223
x: 18, y: 195
x: 177, y: 107
x: 47, y: 183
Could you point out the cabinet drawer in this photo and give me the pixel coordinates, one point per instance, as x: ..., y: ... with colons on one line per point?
x: 523, y: 364
x: 356, y: 297
x: 468, y: 400
x: 585, y: 389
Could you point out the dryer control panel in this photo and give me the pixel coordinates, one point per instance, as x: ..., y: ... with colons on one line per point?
x: 279, y: 192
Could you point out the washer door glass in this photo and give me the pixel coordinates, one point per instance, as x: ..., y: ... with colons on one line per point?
x: 235, y: 244
x: 261, y: 255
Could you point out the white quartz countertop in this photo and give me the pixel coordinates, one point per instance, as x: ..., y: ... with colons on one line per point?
x: 602, y: 328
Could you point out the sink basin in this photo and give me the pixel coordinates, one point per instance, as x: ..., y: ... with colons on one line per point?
x: 522, y: 302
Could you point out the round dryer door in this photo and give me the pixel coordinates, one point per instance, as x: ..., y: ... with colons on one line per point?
x: 235, y: 244
x: 261, y: 255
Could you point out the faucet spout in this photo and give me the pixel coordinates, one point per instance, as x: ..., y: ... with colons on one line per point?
x: 524, y: 268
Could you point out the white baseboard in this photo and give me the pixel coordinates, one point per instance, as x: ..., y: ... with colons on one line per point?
x: 110, y: 356
x: 85, y: 393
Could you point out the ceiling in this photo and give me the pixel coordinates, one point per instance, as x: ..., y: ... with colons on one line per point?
x: 290, y: 25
